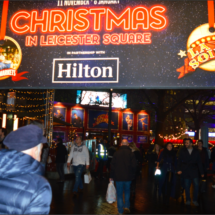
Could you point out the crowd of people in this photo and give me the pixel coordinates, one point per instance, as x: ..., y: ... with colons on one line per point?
x: 24, y: 154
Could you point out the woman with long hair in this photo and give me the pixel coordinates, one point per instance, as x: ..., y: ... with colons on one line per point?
x: 166, y: 163
x: 138, y: 157
x: 153, y: 158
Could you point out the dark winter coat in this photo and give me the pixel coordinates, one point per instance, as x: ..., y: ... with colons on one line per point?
x: 213, y: 155
x: 61, y: 155
x: 22, y: 189
x: 167, y: 163
x: 123, y: 165
x: 139, y: 160
x: 190, y: 165
x: 204, y: 158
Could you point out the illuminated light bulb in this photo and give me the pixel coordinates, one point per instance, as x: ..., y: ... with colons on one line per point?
x: 193, y: 45
x: 203, y: 40
x: 197, y: 42
x: 213, y: 38
x: 208, y: 38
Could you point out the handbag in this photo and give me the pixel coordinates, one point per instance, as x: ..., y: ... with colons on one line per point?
x: 87, y: 178
x: 203, y: 186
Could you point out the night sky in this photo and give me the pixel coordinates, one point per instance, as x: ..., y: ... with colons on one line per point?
x: 141, y: 66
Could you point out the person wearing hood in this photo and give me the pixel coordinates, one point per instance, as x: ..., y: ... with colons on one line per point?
x: 23, y: 189
x: 167, y: 162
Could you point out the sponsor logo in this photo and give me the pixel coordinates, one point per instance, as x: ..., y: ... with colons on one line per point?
x: 85, y: 70
x: 200, y: 52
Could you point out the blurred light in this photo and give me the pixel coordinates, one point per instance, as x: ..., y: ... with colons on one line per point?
x: 4, y: 120
x: 15, y: 123
x: 191, y: 134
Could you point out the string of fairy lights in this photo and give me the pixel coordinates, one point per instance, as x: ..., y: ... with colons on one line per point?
x: 20, y: 108
x: 174, y: 136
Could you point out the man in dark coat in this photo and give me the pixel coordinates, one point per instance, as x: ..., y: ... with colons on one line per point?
x: 23, y: 190
x: 123, y: 169
x: 61, y: 158
x: 189, y: 165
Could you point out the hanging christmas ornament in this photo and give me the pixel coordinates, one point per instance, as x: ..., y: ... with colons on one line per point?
x: 200, y: 47
x: 10, y: 51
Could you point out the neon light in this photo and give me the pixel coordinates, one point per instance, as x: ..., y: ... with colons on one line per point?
x: 80, y: 20
x: 162, y: 21
x: 69, y: 20
x: 42, y: 21
x: 30, y: 41
x: 126, y: 21
x: 70, y: 40
x: 97, y: 18
x: 136, y: 21
x: 17, y: 28
x: 57, y: 24
x: 131, y: 38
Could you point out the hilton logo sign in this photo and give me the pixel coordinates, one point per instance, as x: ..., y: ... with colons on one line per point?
x: 85, y: 70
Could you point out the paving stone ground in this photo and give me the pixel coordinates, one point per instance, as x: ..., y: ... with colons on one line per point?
x: 147, y: 200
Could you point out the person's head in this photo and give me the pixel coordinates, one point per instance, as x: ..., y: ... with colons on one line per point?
x: 3, y: 132
x: 124, y: 142
x: 59, y: 141
x: 188, y: 143
x: 58, y: 111
x: 169, y: 146
x: 184, y: 140
x: 200, y: 144
x: 157, y: 147
x: 28, y: 140
x: 78, y: 140
x: 133, y: 146
x: 75, y: 115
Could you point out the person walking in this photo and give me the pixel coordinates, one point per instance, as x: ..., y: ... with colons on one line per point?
x: 44, y: 156
x: 23, y: 189
x: 213, y: 165
x: 204, y: 157
x: 123, y: 169
x: 138, y: 158
x: 111, y: 150
x: 153, y: 158
x: 189, y: 165
x: 79, y: 155
x: 101, y: 157
x: 61, y: 157
x: 167, y: 162
x: 181, y: 176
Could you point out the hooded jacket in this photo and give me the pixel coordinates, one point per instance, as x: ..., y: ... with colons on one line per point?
x: 22, y: 189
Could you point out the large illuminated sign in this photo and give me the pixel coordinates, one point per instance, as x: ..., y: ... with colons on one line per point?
x: 67, y: 21
x: 103, y: 44
x: 94, y: 20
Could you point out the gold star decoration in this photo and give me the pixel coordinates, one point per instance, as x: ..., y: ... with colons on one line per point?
x: 182, y: 53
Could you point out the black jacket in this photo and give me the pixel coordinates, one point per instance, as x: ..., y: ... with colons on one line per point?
x: 123, y: 165
x: 190, y: 165
x: 213, y: 155
x: 61, y: 154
